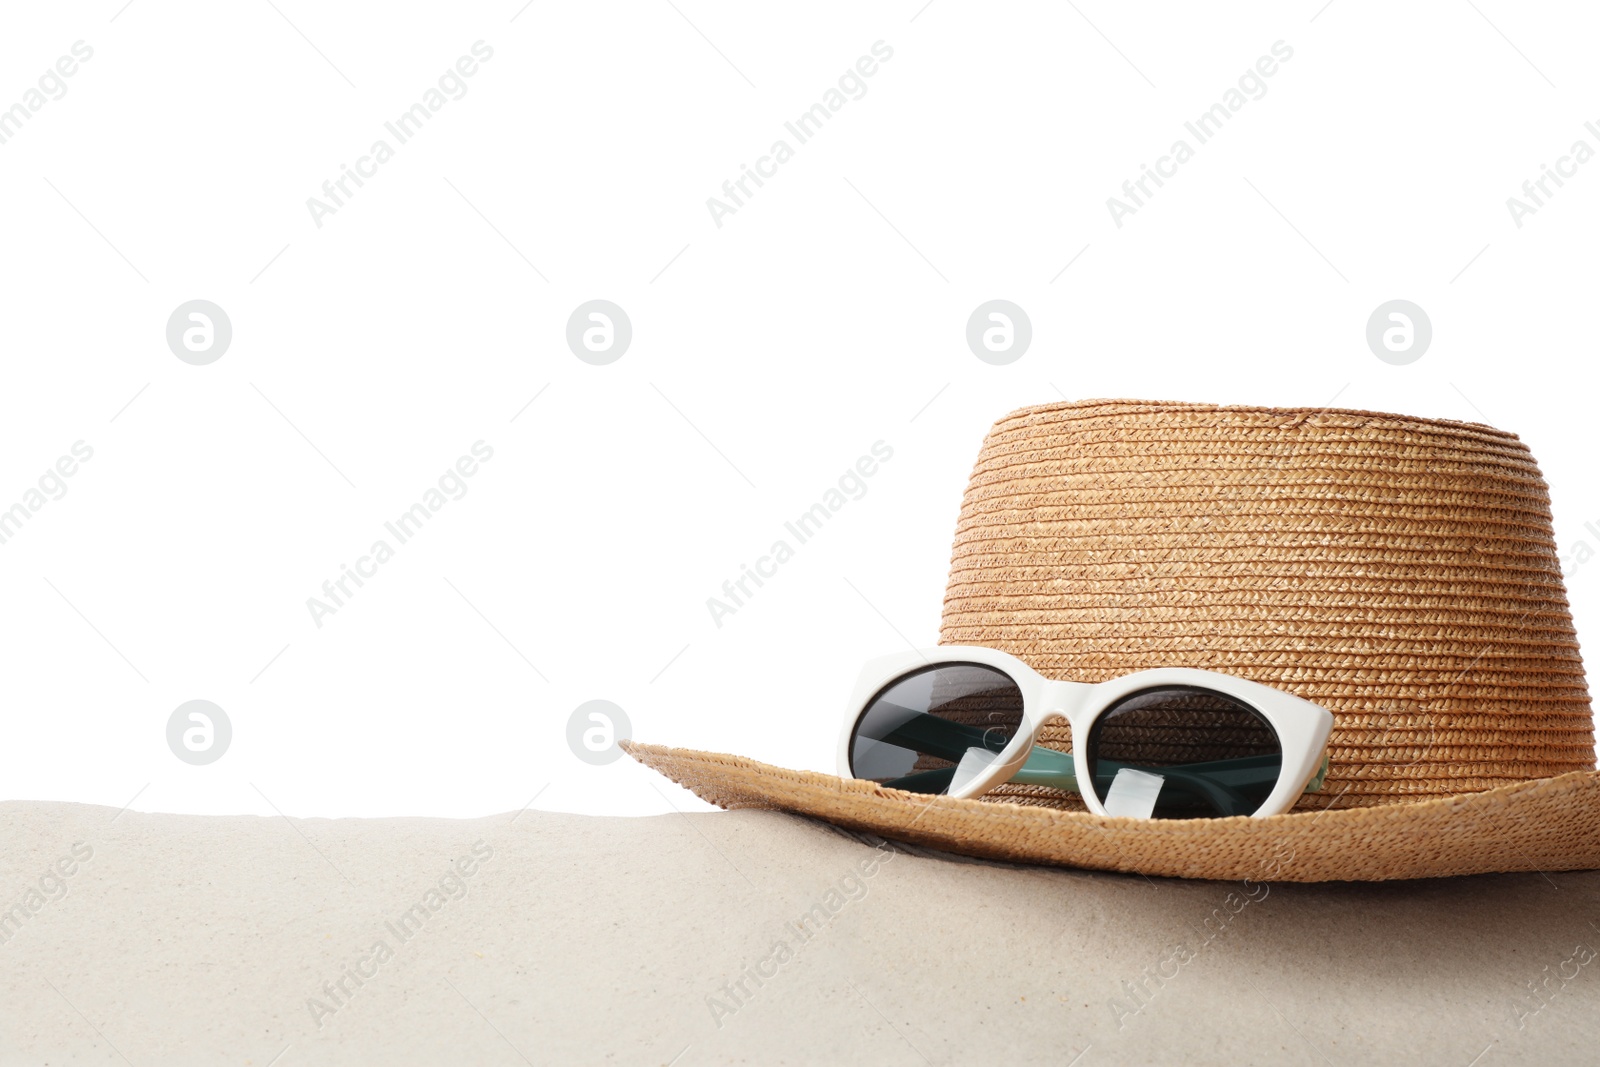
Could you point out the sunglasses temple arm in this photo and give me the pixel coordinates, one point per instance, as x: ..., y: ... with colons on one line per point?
x: 1322, y: 774
x: 1046, y: 766
x: 942, y: 738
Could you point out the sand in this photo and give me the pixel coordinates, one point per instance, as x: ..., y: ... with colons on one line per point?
x: 742, y: 937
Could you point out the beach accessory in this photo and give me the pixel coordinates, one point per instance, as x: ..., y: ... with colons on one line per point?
x: 1171, y: 743
x: 1400, y: 572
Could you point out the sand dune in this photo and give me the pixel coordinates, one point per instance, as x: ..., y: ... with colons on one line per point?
x: 743, y: 937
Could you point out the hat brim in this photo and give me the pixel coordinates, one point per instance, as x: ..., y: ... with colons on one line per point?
x: 1549, y: 824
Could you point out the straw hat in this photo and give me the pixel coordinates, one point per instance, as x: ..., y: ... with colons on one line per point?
x: 1401, y: 572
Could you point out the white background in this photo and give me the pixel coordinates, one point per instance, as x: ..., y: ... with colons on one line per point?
x: 826, y: 314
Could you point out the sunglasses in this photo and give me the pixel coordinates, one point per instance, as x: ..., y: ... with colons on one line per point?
x: 1172, y: 743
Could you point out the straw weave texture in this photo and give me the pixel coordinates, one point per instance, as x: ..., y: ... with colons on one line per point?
x: 1401, y: 572
x: 1551, y: 825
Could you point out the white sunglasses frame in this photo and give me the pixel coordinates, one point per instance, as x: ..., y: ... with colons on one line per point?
x: 1302, y: 727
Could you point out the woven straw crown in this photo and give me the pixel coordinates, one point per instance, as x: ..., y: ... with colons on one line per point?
x: 1401, y: 572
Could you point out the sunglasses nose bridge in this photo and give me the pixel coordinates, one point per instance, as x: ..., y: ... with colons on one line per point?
x: 1059, y: 698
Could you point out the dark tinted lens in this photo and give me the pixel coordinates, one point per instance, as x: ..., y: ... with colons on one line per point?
x: 914, y: 732
x: 1216, y: 755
